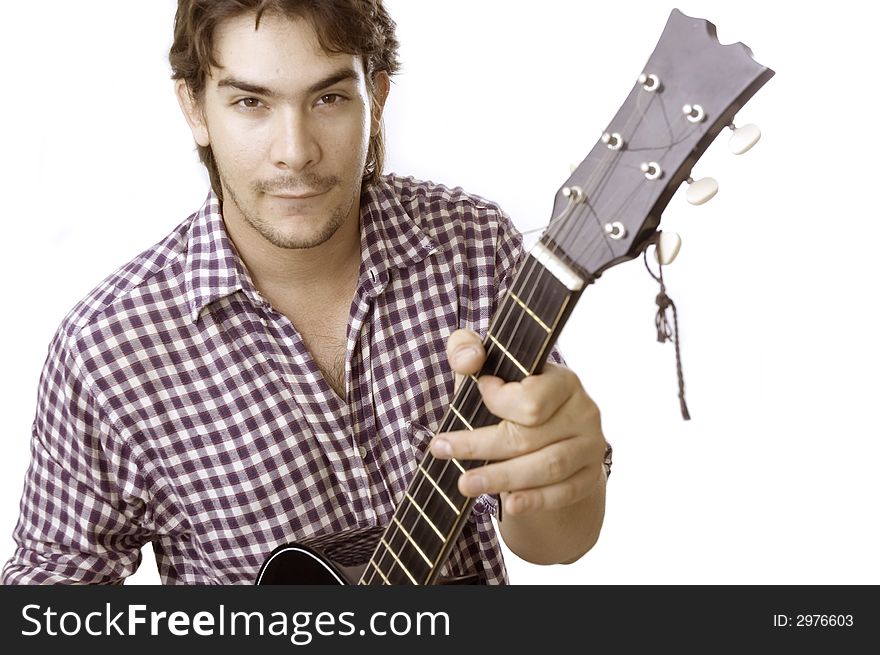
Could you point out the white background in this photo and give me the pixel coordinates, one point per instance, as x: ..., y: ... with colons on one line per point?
x: 773, y: 481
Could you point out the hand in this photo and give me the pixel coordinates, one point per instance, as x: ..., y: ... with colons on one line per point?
x: 548, y: 450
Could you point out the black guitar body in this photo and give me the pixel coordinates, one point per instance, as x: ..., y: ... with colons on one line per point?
x: 334, y: 559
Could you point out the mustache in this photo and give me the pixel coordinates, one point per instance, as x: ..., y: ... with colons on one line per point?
x: 301, y: 183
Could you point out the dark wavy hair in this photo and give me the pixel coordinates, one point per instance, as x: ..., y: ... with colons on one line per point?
x: 357, y: 27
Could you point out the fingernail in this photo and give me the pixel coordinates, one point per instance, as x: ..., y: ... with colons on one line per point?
x: 462, y: 355
x: 442, y: 448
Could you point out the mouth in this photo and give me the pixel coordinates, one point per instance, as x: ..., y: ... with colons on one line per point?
x: 298, y: 196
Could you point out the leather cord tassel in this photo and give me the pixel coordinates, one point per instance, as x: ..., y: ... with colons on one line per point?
x: 667, y: 332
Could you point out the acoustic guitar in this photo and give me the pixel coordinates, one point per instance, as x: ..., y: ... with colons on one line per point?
x: 606, y: 213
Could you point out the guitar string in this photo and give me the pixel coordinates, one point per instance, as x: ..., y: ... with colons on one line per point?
x: 421, y: 481
x: 605, y: 163
x: 637, y: 114
x: 431, y: 494
x: 591, y: 186
x: 566, y: 223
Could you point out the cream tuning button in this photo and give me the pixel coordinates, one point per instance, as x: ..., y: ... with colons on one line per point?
x: 744, y: 138
x: 667, y: 248
x: 701, y: 191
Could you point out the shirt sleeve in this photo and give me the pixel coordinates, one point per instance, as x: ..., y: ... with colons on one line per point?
x: 81, y: 514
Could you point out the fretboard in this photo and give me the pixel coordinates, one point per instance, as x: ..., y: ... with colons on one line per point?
x: 432, y: 513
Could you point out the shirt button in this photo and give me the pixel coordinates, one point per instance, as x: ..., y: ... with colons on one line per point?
x: 362, y: 452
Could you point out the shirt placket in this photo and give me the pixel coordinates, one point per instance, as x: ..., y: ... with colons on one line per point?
x: 325, y: 415
x: 373, y: 493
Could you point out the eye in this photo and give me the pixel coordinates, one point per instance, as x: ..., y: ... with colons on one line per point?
x: 249, y: 104
x: 331, y: 99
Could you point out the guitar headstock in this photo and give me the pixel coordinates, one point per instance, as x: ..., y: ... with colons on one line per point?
x: 690, y: 89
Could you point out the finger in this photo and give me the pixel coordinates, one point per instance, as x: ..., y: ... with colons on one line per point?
x: 502, y: 440
x: 532, y: 400
x: 465, y: 352
x: 547, y: 466
x: 561, y: 494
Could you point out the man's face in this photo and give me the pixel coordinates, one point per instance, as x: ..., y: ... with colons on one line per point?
x: 289, y: 125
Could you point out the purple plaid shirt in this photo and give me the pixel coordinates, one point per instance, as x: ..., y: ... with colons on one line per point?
x: 177, y: 407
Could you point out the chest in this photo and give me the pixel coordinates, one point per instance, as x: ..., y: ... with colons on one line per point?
x: 254, y: 416
x: 324, y: 333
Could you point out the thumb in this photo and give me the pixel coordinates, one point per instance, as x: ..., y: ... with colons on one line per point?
x: 464, y: 350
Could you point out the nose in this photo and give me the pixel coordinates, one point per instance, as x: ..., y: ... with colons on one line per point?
x: 294, y: 146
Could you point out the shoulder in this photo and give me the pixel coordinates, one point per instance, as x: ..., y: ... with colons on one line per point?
x: 434, y: 196
x: 130, y: 295
x: 448, y: 214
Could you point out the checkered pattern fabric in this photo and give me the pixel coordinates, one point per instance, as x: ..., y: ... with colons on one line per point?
x: 178, y: 407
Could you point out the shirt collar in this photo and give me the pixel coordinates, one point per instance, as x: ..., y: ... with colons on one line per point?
x: 213, y: 269
x: 390, y: 238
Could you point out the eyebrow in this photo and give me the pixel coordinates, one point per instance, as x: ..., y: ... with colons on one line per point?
x: 341, y: 75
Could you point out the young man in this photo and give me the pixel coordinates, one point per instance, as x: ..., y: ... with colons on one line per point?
x: 275, y: 368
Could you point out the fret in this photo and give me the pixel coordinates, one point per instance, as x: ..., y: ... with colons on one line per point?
x: 403, y: 542
x: 560, y: 314
x: 425, y: 517
x: 412, y: 541
x: 546, y: 344
x: 446, y: 473
x: 432, y: 503
x: 397, y: 560
x: 460, y: 417
x: 521, y: 333
x: 535, y: 293
x: 433, y: 512
x: 436, y: 506
x: 469, y: 401
x: 508, y: 355
x: 379, y: 571
x: 420, y: 534
x: 528, y: 311
x: 440, y: 490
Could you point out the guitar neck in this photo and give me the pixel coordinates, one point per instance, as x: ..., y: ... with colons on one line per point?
x: 606, y: 213
x: 432, y: 512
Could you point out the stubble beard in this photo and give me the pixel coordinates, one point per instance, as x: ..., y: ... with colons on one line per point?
x: 275, y: 236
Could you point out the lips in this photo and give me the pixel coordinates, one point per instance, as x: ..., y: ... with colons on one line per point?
x: 298, y: 196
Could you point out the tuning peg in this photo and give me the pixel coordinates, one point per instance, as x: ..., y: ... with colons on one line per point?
x: 701, y: 191
x: 743, y: 138
x: 667, y: 247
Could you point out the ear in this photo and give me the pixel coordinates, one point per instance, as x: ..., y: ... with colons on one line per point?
x: 381, y: 87
x: 193, y: 113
